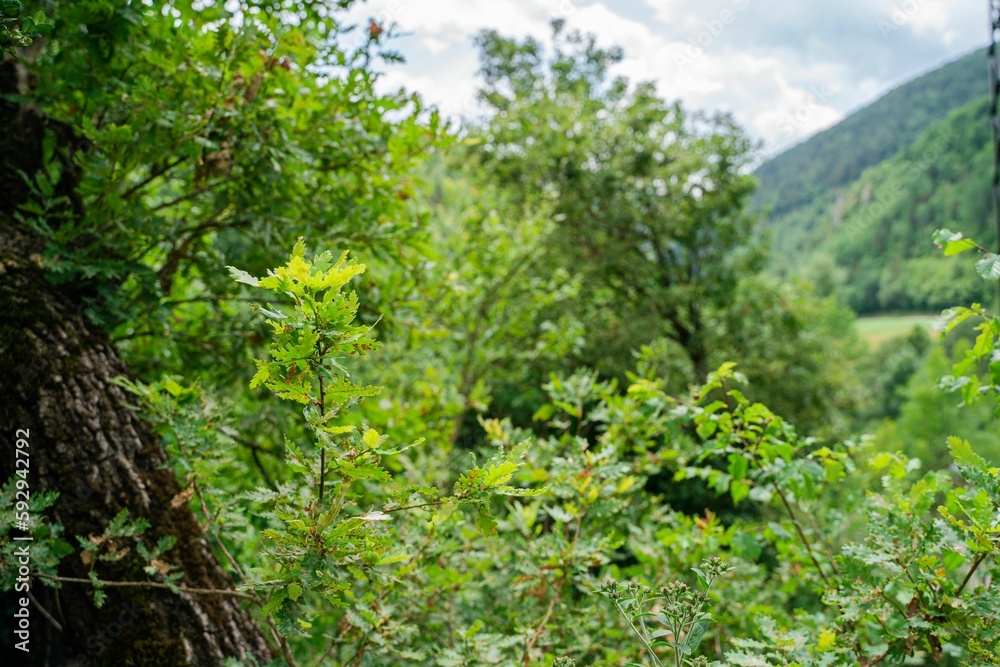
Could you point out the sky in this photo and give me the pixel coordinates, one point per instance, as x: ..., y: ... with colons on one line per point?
x: 785, y: 69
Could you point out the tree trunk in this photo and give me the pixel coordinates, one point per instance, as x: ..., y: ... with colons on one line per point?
x: 690, y: 336
x: 55, y: 382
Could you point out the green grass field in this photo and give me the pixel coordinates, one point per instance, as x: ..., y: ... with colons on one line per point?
x: 878, y: 329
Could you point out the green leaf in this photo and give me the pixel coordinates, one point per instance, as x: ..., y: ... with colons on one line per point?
x: 989, y: 267
x: 738, y: 465
x: 881, y: 461
x: 696, y: 634
x: 495, y: 475
x: 371, y: 437
x: 955, y: 316
x: 262, y: 375
x: 954, y: 243
x: 952, y: 560
x: 173, y: 388
x: 962, y: 452
x: 834, y: 470
x: 958, y: 247
x: 486, y: 524
x: 739, y: 490
x: 276, y: 599
x: 242, y: 276
x: 273, y: 314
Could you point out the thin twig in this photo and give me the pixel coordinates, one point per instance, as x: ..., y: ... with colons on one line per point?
x: 44, y: 612
x: 972, y: 569
x: 791, y: 514
x: 530, y: 644
x: 255, y: 449
x: 154, y: 173
x: 189, y: 195
x: 226, y: 592
x: 895, y: 604
x: 433, y: 503
x: 322, y: 412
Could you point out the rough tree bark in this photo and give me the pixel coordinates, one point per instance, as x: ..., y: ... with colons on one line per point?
x: 55, y: 380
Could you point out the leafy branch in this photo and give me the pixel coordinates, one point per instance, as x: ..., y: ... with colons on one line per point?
x: 319, y: 539
x: 678, y: 610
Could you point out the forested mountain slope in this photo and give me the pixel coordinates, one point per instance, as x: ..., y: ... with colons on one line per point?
x: 853, y: 208
x: 874, y: 133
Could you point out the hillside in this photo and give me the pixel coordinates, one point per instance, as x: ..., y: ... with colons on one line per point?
x: 839, y: 154
x: 853, y: 208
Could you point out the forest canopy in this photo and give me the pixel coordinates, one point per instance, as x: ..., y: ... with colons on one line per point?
x: 297, y: 372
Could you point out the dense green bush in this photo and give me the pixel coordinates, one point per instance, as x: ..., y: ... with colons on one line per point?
x: 537, y: 465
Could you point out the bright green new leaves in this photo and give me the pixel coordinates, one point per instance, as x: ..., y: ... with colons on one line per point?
x: 311, y: 343
x: 477, y: 485
x: 313, y: 334
x: 953, y: 243
x: 325, y: 537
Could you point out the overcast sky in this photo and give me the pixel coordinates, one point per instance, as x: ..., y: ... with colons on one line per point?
x: 785, y: 68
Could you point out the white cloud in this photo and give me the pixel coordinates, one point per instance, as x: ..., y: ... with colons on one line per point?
x: 458, y: 20
x: 784, y: 68
x: 435, y: 45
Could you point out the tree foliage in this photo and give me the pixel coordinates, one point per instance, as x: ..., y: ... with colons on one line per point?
x: 648, y: 199
x: 500, y: 440
x: 866, y: 239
